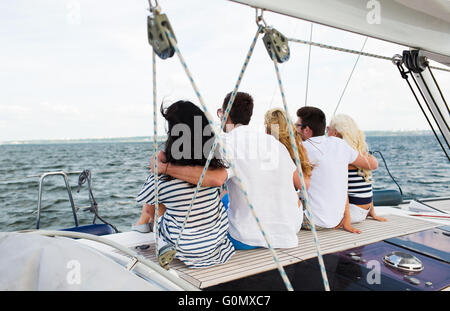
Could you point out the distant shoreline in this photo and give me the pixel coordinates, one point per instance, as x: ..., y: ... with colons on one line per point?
x: 141, y: 139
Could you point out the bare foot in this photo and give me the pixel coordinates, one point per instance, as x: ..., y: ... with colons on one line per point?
x: 374, y: 216
x: 347, y: 227
x: 382, y: 219
x: 351, y: 229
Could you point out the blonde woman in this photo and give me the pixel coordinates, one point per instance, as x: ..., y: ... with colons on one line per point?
x: 276, y: 125
x: 360, y: 195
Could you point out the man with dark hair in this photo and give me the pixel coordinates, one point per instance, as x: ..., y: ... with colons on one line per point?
x: 242, y: 108
x: 268, y: 174
x: 328, y: 185
x: 314, y: 118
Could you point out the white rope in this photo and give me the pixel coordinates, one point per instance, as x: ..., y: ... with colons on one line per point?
x: 223, y: 121
x: 155, y: 155
x: 351, y: 74
x: 302, y: 180
x: 335, y: 48
x: 309, y: 61
x: 225, y: 155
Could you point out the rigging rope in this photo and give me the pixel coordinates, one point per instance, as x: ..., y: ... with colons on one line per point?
x: 155, y: 155
x: 439, y: 89
x: 335, y: 48
x: 224, y: 154
x: 86, y: 176
x: 387, y: 169
x: 404, y: 75
x: 223, y: 121
x: 351, y: 74
x: 434, y: 101
x: 309, y: 60
x: 302, y: 180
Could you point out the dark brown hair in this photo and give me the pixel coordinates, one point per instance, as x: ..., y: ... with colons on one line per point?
x: 242, y: 109
x: 314, y: 118
x: 184, y: 113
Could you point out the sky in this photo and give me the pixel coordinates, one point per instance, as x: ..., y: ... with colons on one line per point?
x: 76, y: 69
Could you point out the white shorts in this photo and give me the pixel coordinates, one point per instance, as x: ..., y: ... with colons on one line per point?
x: 357, y: 214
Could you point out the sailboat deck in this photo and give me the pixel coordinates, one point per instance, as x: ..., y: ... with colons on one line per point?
x: 442, y: 205
x: 247, y: 263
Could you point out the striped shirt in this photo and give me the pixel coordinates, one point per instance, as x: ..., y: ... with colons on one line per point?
x: 359, y: 191
x: 204, y: 241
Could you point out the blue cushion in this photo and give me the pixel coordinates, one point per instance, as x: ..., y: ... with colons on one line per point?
x: 386, y: 198
x: 95, y: 229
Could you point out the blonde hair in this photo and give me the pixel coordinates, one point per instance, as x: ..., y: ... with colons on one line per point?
x: 277, y: 117
x: 350, y: 132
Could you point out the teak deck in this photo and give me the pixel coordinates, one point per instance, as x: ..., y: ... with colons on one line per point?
x: 247, y: 263
x: 442, y: 205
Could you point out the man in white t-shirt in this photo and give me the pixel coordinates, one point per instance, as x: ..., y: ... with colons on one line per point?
x: 329, y: 180
x: 267, y: 171
x: 268, y: 174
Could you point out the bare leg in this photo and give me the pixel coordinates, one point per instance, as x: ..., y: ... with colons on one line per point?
x: 374, y: 216
x: 148, y: 213
x: 345, y: 222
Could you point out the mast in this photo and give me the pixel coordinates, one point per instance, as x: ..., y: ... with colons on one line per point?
x: 416, y: 62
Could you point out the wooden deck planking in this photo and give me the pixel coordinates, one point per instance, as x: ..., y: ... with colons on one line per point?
x: 443, y: 205
x: 247, y: 263
x: 372, y: 231
x: 238, y: 265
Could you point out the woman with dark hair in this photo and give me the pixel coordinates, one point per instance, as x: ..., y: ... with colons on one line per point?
x: 204, y: 241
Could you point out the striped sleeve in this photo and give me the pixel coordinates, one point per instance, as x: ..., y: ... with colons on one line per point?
x: 147, y: 193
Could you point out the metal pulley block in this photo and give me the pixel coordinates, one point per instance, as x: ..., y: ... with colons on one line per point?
x: 157, y: 37
x: 415, y: 61
x: 276, y: 45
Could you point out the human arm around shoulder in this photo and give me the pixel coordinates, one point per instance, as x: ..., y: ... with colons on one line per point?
x: 364, y: 161
x: 297, y: 183
x: 191, y: 174
x: 213, y: 177
x: 367, y: 161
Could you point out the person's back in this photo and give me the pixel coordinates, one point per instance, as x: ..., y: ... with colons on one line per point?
x: 360, y: 195
x: 328, y: 187
x: 266, y: 170
x: 331, y: 157
x: 204, y: 241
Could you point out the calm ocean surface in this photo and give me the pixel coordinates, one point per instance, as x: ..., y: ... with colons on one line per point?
x: 119, y: 169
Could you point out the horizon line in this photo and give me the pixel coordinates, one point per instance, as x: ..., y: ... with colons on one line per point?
x: 150, y: 138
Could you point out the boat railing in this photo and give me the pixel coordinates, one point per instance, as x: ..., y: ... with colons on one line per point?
x: 69, y: 192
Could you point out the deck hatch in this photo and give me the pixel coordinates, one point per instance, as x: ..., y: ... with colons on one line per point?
x: 403, y: 261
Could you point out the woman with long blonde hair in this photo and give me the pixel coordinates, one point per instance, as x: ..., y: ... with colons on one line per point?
x: 276, y: 125
x: 360, y: 195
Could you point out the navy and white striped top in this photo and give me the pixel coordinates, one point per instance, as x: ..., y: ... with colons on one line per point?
x: 204, y: 241
x: 359, y: 191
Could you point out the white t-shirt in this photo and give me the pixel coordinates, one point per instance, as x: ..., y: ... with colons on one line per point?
x: 266, y: 170
x: 329, y: 180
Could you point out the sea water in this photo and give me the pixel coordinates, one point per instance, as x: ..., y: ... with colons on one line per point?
x: 119, y: 169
